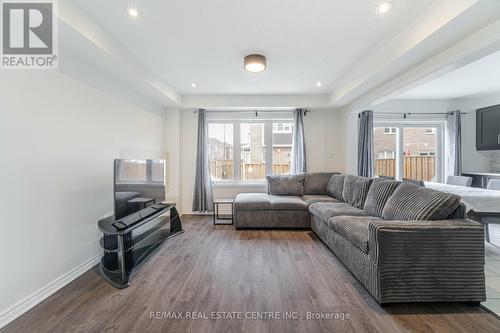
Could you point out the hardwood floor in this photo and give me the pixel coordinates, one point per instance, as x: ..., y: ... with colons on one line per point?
x: 218, y: 269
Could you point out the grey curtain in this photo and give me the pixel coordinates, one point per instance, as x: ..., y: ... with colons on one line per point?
x: 202, y: 197
x: 365, y: 144
x: 454, y: 144
x: 299, y: 163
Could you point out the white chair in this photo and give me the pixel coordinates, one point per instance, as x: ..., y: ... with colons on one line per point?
x: 493, y: 184
x: 459, y: 181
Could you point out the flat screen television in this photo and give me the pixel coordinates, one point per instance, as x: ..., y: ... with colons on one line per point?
x: 488, y: 128
x: 138, y: 184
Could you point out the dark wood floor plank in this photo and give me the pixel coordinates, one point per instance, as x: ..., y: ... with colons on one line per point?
x: 219, y: 269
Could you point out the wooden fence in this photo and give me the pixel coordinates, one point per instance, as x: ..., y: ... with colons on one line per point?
x: 223, y: 169
x: 414, y: 167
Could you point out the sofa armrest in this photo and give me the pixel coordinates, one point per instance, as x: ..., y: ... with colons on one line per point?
x: 432, y: 241
x: 427, y: 260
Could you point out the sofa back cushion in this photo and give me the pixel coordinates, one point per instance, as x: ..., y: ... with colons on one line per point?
x: 335, y: 187
x: 315, y: 182
x: 412, y: 202
x: 286, y: 185
x: 355, y: 190
x: 378, y: 194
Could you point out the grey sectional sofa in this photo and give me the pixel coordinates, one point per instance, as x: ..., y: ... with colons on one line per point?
x: 403, y: 242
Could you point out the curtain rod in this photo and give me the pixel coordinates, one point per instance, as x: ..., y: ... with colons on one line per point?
x: 406, y: 114
x: 256, y: 111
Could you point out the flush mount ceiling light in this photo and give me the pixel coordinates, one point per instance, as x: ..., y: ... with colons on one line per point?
x: 193, y: 85
x: 384, y: 8
x: 319, y: 84
x: 255, y: 63
x: 133, y: 12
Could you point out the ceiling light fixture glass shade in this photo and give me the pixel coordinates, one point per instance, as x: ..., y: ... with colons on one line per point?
x: 255, y: 63
x: 384, y: 8
x: 133, y: 12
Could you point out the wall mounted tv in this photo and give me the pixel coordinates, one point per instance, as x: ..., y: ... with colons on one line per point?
x: 138, y: 184
x: 488, y: 128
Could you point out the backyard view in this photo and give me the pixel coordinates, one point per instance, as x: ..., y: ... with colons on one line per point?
x: 252, y: 150
x: 419, y: 149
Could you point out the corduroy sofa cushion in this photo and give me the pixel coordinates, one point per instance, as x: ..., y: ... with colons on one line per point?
x: 378, y: 194
x: 315, y: 182
x: 325, y: 210
x: 354, y: 229
x: 309, y: 199
x: 286, y: 185
x: 335, y: 187
x: 412, y: 202
x: 287, y: 202
x: 355, y: 190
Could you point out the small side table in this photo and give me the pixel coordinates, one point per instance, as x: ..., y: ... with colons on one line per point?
x: 218, y: 217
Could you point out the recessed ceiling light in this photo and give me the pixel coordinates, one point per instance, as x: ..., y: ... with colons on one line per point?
x: 255, y: 63
x: 133, y: 12
x: 319, y: 84
x: 193, y: 85
x: 384, y: 8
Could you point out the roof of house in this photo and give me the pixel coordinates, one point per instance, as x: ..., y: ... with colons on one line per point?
x: 218, y: 143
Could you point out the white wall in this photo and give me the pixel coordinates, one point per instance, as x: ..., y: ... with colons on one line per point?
x: 58, y: 139
x: 473, y: 160
x: 173, y: 148
x: 324, y: 142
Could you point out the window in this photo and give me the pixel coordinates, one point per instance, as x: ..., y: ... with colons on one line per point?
x: 390, y: 130
x: 282, y: 128
x: 420, y: 147
x: 253, y: 150
x: 385, y: 151
x: 412, y: 152
x: 386, y: 155
x: 220, y: 151
x: 247, y: 149
x: 282, y: 148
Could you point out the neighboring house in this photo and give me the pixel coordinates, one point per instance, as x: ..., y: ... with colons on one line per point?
x: 417, y: 142
x: 282, y: 147
x: 218, y: 150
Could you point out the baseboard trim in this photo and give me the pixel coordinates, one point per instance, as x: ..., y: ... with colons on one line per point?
x: 27, y: 303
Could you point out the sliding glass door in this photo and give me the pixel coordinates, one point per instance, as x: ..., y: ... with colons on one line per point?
x: 409, y: 151
x: 420, y: 153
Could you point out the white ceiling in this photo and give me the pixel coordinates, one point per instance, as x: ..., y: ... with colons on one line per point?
x: 185, y: 41
x: 479, y: 77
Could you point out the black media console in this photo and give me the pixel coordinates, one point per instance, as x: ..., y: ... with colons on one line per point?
x: 127, y: 244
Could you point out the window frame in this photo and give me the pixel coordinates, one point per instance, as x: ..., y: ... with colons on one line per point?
x: 399, y: 153
x: 390, y: 130
x: 238, y: 118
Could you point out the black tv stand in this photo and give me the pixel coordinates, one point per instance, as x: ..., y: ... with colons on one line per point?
x: 125, y: 250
